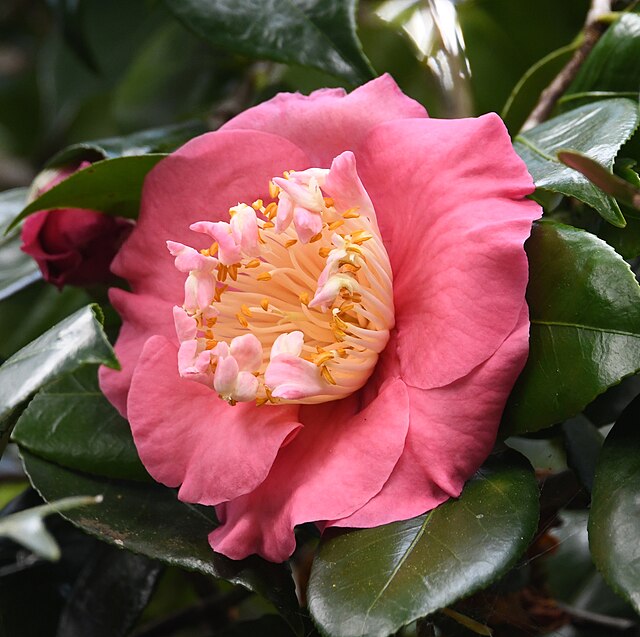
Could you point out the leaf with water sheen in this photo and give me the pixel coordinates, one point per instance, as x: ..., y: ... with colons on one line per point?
x: 317, y: 33
x: 596, y: 130
x: 373, y: 581
x: 584, y: 304
x: 614, y: 521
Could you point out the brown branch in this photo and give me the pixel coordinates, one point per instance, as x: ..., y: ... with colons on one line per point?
x: 592, y: 33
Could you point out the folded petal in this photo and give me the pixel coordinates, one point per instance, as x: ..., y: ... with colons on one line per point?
x: 454, y: 231
x: 329, y: 121
x: 182, y: 430
x: 452, y: 430
x: 337, y: 463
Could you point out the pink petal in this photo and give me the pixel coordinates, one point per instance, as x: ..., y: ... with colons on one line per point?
x: 343, y: 185
x: 288, y: 343
x: 246, y: 387
x: 285, y: 213
x: 339, y: 461
x: 293, y: 378
x: 329, y: 121
x: 186, y: 326
x: 451, y: 432
x: 307, y: 223
x: 182, y: 430
x: 224, y: 381
x: 454, y: 222
x: 247, y: 350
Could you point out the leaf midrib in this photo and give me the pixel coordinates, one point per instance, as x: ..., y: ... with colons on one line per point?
x: 590, y: 328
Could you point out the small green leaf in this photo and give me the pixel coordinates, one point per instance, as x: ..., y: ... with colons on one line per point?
x: 584, y: 304
x: 148, y: 518
x: 374, y: 581
x: 17, y: 269
x: 612, y: 69
x: 76, y: 341
x: 112, y: 186
x: 27, y: 528
x: 316, y: 33
x: 70, y: 422
x: 596, y: 130
x: 154, y: 140
x: 614, y: 521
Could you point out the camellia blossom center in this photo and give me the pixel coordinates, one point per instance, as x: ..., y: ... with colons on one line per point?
x: 293, y: 300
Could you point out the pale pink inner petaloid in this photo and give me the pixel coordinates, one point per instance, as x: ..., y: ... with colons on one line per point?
x: 293, y: 300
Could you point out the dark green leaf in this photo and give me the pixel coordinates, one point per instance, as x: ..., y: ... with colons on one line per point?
x: 612, y: 69
x: 596, y: 130
x: 614, y: 521
x: 584, y: 303
x: 155, y: 140
x: 17, y: 269
x: 76, y: 341
x: 71, y: 423
x: 582, y: 442
x: 148, y: 518
x: 112, y: 186
x: 267, y: 625
x: 111, y: 591
x: 373, y: 581
x: 317, y: 33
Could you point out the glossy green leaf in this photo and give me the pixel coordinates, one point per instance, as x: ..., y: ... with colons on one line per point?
x: 17, y: 269
x: 111, y: 591
x: 70, y: 422
x: 584, y: 303
x: 155, y: 140
x: 612, y: 69
x: 76, y: 341
x: 614, y: 521
x: 373, y: 581
x: 596, y: 130
x: 317, y: 33
x: 112, y: 186
x: 148, y: 518
x: 582, y: 442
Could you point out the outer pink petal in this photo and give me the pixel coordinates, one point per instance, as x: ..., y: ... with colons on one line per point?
x: 449, y: 199
x: 186, y: 435
x: 329, y: 121
x: 199, y: 182
x: 337, y: 462
x: 142, y: 316
x: 452, y: 431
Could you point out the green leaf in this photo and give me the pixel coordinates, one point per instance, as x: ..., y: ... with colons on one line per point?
x: 526, y: 92
x: 148, y: 518
x: 76, y: 341
x: 316, y: 33
x: 70, y: 422
x: 584, y: 303
x: 596, y: 130
x: 612, y: 69
x: 112, y: 186
x: 155, y: 140
x: 17, y: 269
x: 614, y: 521
x: 373, y: 581
x: 582, y: 442
x: 27, y: 528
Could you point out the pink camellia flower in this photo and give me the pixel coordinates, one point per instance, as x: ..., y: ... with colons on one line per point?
x: 73, y: 246
x: 327, y: 313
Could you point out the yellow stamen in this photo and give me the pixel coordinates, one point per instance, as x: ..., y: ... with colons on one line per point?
x: 273, y: 190
x: 222, y: 272
x: 290, y: 243
x: 264, y: 304
x: 350, y: 214
x: 360, y: 236
x: 257, y: 204
x: 264, y: 276
x: 245, y: 310
x: 324, y: 252
x: 205, y: 252
x: 336, y: 224
x: 210, y: 343
x: 213, y: 249
x: 304, y: 298
x: 271, y: 210
x: 254, y: 263
x: 356, y: 297
x: 322, y: 358
x: 233, y: 271
x: 212, y: 321
x: 242, y: 320
x: 218, y: 292
x: 268, y: 224
x: 328, y: 202
x: 316, y: 237
x: 355, y: 248
x: 349, y: 267
x: 326, y: 374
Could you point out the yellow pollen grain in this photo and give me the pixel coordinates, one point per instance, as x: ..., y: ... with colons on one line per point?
x: 322, y: 358
x: 222, y: 272
x: 316, y: 237
x: 342, y: 352
x: 245, y: 310
x: 264, y: 276
x: 264, y: 304
x: 324, y: 252
x: 268, y: 224
x: 350, y: 214
x: 254, y: 263
x: 233, y: 271
x: 211, y: 343
x: 213, y: 249
x: 257, y: 204
x: 273, y: 190
x: 328, y: 202
x: 303, y: 297
x: 286, y: 173
x: 232, y: 213
x: 360, y: 236
x: 290, y: 243
x: 212, y: 321
x: 218, y: 292
x: 326, y: 374
x: 205, y: 252
x: 271, y: 210
x: 336, y: 224
x: 242, y: 320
